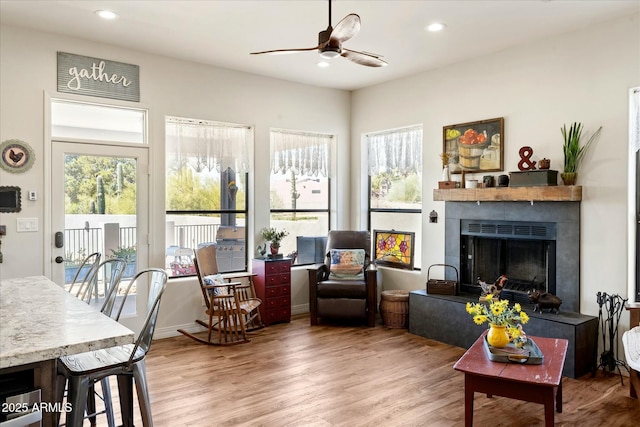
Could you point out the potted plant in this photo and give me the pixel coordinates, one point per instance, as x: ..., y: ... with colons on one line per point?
x: 273, y: 236
x: 504, y: 321
x: 574, y: 151
x: 129, y: 255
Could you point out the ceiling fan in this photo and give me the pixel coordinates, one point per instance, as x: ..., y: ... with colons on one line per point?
x: 330, y: 43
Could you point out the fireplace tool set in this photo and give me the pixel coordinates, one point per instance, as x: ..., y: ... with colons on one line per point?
x: 610, y: 310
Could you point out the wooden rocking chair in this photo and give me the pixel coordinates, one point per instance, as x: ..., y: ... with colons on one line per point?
x: 231, y: 306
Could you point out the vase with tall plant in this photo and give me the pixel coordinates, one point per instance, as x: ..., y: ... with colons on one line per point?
x: 574, y: 150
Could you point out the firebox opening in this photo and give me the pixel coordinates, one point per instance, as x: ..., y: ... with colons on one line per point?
x: 524, y: 252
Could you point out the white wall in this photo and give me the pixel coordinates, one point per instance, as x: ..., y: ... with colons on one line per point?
x: 168, y: 87
x: 582, y: 76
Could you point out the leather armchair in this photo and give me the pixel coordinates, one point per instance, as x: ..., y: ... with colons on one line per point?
x: 344, y: 299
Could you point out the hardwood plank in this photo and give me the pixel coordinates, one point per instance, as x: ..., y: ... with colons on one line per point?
x: 292, y: 374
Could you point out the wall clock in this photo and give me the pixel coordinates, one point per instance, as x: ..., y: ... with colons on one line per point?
x: 16, y: 156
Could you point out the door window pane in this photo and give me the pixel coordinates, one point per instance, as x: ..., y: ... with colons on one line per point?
x: 100, y: 216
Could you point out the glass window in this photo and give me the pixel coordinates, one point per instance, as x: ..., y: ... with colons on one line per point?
x: 300, y: 185
x: 207, y: 174
x: 94, y: 122
x: 395, y: 182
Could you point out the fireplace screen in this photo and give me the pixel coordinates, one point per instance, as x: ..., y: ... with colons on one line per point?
x: 526, y: 258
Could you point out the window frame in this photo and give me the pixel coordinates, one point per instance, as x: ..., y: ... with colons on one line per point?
x: 326, y: 211
x: 220, y: 212
x: 371, y: 210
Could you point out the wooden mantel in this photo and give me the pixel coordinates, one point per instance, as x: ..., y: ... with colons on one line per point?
x: 562, y: 193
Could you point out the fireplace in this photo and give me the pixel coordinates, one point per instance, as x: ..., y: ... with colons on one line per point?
x: 536, y: 245
x: 523, y: 251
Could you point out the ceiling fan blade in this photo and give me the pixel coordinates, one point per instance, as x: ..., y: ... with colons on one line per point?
x: 376, y: 55
x: 345, y: 29
x: 363, y: 58
x: 285, y: 51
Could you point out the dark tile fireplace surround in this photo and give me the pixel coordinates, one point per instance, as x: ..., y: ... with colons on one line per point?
x: 565, y: 216
x: 443, y: 317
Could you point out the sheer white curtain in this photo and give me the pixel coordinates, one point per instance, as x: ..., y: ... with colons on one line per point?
x: 303, y: 153
x: 635, y: 117
x: 207, y: 145
x: 398, y: 151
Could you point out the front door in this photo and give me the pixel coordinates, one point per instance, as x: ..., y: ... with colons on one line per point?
x: 100, y: 204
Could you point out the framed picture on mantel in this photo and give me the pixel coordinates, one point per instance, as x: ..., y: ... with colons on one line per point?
x: 475, y: 146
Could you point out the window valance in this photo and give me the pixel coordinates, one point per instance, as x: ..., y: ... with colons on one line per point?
x: 206, y: 145
x: 398, y: 151
x: 300, y: 152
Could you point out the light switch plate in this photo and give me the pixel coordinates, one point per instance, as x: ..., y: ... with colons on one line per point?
x: 27, y: 225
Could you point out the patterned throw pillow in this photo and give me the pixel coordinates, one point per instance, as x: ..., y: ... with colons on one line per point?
x: 347, y: 264
x: 211, y: 280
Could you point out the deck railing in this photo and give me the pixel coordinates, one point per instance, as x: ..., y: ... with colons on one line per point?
x: 80, y: 242
x: 189, y: 236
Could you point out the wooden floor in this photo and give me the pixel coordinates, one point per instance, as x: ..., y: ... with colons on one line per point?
x: 298, y: 375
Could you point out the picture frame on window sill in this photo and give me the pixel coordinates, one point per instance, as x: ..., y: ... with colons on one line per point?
x: 475, y: 146
x: 394, y: 248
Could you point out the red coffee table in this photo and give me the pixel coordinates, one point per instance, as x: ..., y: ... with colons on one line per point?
x: 531, y: 383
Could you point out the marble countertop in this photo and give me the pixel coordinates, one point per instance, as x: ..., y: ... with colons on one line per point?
x: 41, y: 321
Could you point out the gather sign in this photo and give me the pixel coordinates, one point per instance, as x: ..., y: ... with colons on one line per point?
x: 98, y: 77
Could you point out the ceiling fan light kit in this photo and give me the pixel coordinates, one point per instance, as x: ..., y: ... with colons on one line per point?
x: 330, y: 43
x: 330, y: 52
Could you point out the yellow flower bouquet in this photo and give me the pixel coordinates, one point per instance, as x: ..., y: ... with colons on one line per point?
x: 498, y: 313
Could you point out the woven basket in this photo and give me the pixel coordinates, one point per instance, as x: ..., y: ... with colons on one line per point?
x: 394, y: 309
x: 439, y: 286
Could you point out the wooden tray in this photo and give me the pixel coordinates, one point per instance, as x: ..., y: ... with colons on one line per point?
x: 529, y: 354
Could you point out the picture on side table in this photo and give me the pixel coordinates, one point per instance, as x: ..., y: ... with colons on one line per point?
x: 475, y: 146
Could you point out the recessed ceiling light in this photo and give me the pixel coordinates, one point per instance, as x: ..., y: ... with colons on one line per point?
x: 106, y: 14
x: 436, y: 26
x: 323, y: 64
